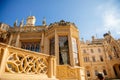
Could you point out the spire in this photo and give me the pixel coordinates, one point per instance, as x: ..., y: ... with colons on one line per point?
x: 22, y: 23
x: 15, y: 23
x: 44, y: 22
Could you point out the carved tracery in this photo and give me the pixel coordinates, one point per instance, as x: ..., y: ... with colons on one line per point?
x: 21, y: 63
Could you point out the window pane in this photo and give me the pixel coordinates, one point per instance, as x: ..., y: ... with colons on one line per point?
x: 63, y: 50
x: 52, y: 46
x: 75, y: 51
x: 33, y: 46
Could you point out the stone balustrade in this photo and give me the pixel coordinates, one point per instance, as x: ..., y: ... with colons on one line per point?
x: 14, y: 61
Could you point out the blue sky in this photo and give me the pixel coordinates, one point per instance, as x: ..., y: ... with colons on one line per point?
x: 92, y: 17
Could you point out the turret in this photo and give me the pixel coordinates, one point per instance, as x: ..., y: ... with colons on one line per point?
x: 31, y: 21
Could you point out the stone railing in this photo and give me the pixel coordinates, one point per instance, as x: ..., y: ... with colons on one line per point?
x: 21, y: 63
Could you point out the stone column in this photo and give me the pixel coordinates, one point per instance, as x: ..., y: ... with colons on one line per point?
x: 80, y: 59
x: 17, y: 40
x: 56, y: 47
x: 72, y: 63
x: 52, y: 67
x: 11, y: 37
x: 42, y: 43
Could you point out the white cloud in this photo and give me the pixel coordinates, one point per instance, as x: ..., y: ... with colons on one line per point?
x: 110, y: 17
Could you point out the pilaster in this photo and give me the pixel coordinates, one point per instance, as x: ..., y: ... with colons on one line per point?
x: 17, y: 40
x: 80, y: 60
x: 52, y: 67
x: 56, y: 47
x: 11, y: 37
x: 70, y: 49
x: 42, y: 43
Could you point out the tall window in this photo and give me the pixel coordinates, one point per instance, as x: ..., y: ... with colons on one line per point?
x: 52, y: 46
x: 75, y: 51
x: 63, y: 50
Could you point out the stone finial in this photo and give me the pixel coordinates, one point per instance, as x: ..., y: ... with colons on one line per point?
x: 22, y: 23
x: 15, y: 23
x: 44, y: 22
x: 93, y: 38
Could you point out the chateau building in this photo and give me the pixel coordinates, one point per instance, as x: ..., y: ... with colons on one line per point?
x: 55, y: 52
